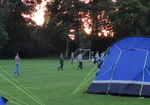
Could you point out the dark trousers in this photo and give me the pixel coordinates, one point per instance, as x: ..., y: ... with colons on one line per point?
x: 80, y: 65
x: 61, y: 66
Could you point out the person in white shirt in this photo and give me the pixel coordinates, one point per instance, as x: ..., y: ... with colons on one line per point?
x: 17, y: 63
x: 102, y: 55
x: 97, y: 56
x: 72, y: 58
x: 79, y: 58
x: 92, y: 58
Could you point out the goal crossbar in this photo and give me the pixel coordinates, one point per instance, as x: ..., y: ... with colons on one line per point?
x: 86, y: 53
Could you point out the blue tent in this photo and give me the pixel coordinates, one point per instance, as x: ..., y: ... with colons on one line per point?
x: 125, y: 69
x: 3, y: 100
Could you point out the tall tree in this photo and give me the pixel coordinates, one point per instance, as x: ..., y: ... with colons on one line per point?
x: 4, y: 11
x: 18, y: 30
x: 130, y: 17
x: 65, y: 15
x: 100, y: 22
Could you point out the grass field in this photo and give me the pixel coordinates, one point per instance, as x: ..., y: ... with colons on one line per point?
x: 53, y: 87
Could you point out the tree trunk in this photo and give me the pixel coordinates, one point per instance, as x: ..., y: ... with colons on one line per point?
x: 67, y: 47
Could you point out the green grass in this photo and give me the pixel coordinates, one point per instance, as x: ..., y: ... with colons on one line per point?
x: 53, y: 87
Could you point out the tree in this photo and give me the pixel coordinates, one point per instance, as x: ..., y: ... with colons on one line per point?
x: 100, y: 25
x: 131, y: 17
x: 65, y: 15
x: 4, y: 11
x: 18, y: 30
x: 100, y: 21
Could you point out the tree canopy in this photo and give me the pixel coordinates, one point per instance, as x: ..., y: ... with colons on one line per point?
x: 94, y: 24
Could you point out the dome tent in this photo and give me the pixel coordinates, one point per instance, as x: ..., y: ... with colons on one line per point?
x: 3, y: 100
x: 125, y: 69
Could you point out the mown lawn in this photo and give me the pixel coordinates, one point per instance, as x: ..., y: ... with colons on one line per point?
x: 40, y: 77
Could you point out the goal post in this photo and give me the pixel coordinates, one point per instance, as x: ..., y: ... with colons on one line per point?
x: 86, y: 54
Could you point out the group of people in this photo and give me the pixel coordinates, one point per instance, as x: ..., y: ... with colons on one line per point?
x: 61, y: 60
x: 79, y: 58
x: 96, y: 58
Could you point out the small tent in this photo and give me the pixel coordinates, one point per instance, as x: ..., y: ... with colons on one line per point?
x: 125, y: 69
x: 3, y: 100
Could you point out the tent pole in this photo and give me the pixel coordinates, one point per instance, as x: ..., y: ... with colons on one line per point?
x: 113, y: 71
x: 144, y: 68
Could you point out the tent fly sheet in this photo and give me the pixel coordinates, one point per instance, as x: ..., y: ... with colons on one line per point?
x: 125, y: 69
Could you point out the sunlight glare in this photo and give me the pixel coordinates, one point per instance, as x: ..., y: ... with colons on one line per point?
x: 39, y: 13
x: 86, y: 1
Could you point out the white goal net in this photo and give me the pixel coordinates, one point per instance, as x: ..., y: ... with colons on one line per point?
x: 86, y: 54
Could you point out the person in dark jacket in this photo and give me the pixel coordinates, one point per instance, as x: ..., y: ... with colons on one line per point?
x: 61, y: 60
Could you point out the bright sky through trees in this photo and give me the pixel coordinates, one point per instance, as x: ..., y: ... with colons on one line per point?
x: 38, y: 16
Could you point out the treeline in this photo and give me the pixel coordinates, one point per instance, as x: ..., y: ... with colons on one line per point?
x: 18, y: 34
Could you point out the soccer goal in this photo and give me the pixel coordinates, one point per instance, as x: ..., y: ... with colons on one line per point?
x: 86, y: 54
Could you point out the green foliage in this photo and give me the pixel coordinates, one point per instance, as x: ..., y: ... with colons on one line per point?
x: 98, y: 13
x: 131, y: 17
x: 124, y: 17
x: 66, y: 15
x: 3, y: 37
x: 4, y: 11
x: 18, y: 31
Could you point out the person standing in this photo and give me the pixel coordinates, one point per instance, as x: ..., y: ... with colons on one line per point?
x: 17, y: 63
x: 79, y: 58
x: 92, y: 58
x: 101, y: 59
x: 72, y: 58
x: 102, y: 55
x: 61, y: 60
x: 97, y: 56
